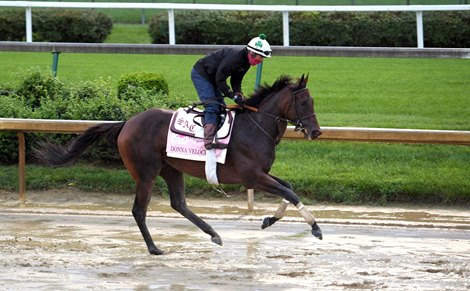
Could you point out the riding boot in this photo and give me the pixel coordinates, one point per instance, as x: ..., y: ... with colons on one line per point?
x: 210, y: 131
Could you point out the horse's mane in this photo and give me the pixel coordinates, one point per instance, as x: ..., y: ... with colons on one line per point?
x: 266, y: 90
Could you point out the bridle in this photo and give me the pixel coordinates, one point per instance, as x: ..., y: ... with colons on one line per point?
x: 299, y: 126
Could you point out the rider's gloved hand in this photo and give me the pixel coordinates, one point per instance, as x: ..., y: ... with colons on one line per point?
x: 239, y: 99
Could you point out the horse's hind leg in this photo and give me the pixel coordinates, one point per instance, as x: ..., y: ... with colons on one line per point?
x: 144, y: 174
x: 139, y: 211
x: 175, y: 182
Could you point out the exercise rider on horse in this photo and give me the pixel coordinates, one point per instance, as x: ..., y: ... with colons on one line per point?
x: 210, y: 74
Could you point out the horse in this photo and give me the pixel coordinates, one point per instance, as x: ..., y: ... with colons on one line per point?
x: 141, y: 142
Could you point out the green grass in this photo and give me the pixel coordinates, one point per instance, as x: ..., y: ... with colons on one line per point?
x: 129, y: 33
x: 351, y: 172
x: 360, y: 92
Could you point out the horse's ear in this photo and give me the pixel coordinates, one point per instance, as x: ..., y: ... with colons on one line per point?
x: 303, y: 80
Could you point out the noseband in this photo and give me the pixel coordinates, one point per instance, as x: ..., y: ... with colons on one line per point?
x: 299, y: 126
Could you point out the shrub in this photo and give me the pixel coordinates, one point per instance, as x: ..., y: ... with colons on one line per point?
x: 12, y: 25
x: 64, y: 25
x: 41, y: 96
x: 11, y: 107
x: 153, y: 82
x: 447, y: 29
x: 217, y: 27
x: 37, y: 84
x: 57, y: 25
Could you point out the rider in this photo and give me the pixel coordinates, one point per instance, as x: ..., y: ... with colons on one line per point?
x: 210, y: 74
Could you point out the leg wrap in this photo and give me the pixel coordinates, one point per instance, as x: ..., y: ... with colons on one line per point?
x: 282, y: 209
x: 305, y: 213
x: 268, y: 221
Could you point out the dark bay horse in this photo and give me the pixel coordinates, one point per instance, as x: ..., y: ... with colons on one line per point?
x: 142, y: 146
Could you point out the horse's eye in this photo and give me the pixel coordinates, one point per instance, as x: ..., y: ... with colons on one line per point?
x: 304, y: 101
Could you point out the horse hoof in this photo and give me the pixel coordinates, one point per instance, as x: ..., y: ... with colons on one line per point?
x: 217, y: 240
x: 266, y: 223
x: 316, y: 231
x: 156, y: 251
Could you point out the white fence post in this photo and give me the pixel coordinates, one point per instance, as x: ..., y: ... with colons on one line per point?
x: 171, y: 26
x: 285, y: 27
x: 29, y: 25
x: 419, y: 29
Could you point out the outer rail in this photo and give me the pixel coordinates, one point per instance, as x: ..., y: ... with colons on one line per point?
x: 193, y: 49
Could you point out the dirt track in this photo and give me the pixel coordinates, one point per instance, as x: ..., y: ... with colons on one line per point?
x: 72, y: 240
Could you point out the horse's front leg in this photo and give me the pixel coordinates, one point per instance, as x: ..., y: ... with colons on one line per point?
x: 268, y: 221
x: 274, y: 185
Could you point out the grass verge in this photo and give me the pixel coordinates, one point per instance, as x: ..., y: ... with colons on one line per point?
x: 319, y: 172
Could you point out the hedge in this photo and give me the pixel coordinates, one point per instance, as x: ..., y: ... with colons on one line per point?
x: 146, y: 80
x: 56, y: 25
x: 39, y: 95
x: 387, y: 29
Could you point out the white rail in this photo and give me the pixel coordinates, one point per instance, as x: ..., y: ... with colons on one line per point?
x: 284, y: 9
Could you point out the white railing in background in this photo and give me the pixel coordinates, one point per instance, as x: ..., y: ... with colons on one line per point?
x: 284, y: 9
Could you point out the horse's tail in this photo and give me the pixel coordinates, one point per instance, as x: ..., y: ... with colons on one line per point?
x: 56, y: 155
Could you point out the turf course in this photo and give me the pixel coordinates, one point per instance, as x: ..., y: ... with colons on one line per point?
x: 361, y: 92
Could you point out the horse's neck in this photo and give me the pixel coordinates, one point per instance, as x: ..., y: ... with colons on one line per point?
x: 274, y: 104
x: 269, y: 122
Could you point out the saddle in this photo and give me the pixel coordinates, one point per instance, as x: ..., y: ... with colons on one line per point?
x: 189, y: 122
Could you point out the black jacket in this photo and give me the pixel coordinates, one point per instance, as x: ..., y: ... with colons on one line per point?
x: 218, y: 66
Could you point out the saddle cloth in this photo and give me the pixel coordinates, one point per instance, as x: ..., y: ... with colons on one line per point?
x: 186, y: 136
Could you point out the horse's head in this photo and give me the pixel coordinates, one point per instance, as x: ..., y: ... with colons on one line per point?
x: 289, y: 102
x: 301, y: 109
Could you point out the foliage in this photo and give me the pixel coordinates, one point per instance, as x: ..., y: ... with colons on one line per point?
x: 41, y: 96
x: 12, y: 23
x: 37, y: 85
x: 11, y: 107
x: 56, y: 25
x: 147, y: 81
x: 391, y: 29
x: 213, y: 27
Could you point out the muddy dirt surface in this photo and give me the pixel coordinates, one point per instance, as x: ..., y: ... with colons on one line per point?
x: 69, y: 240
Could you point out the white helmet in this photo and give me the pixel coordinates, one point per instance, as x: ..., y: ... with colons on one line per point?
x: 260, y: 46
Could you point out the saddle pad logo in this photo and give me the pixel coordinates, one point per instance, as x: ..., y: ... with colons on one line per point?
x: 190, y: 123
